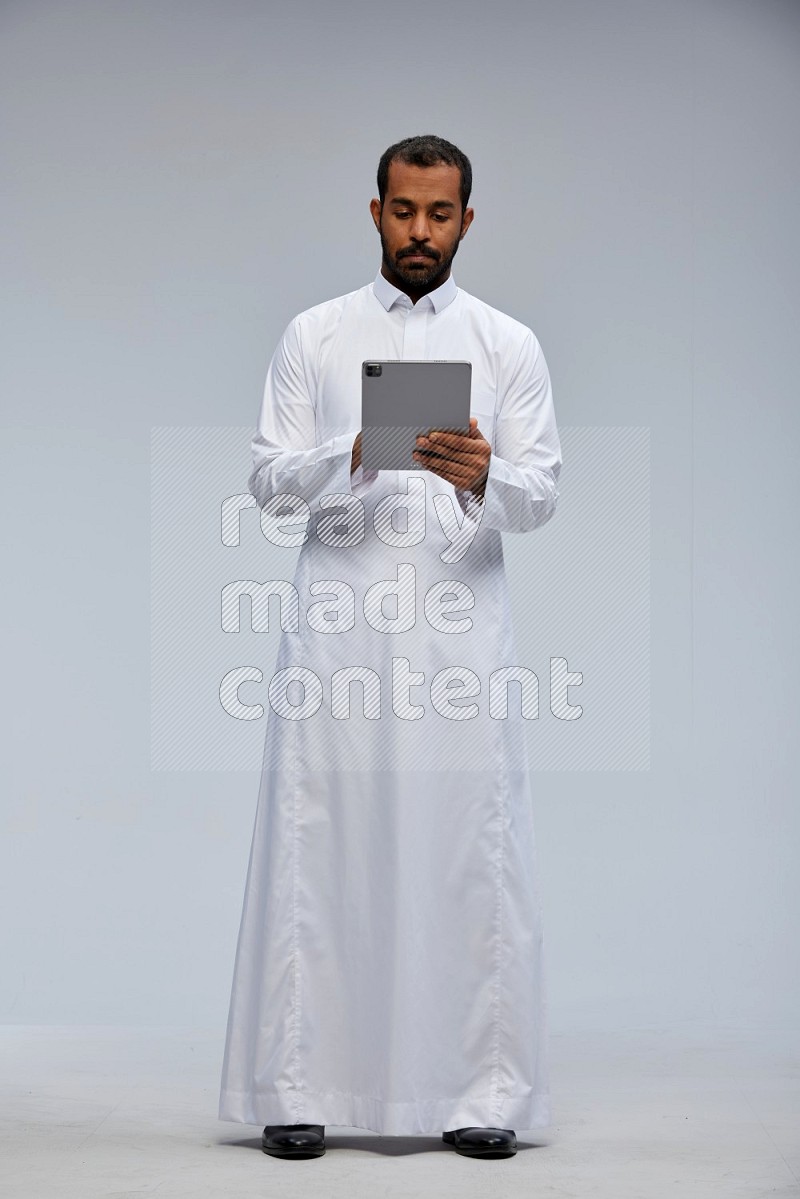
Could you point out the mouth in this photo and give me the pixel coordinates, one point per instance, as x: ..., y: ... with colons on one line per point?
x: 417, y: 258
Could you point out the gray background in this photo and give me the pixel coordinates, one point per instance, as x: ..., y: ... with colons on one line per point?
x: 181, y: 179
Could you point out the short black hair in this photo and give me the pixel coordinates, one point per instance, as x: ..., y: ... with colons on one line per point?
x: 426, y: 151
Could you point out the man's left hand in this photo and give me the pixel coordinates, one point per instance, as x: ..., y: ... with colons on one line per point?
x: 460, y: 458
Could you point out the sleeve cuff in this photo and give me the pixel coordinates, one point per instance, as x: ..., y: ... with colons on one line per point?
x: 360, y: 480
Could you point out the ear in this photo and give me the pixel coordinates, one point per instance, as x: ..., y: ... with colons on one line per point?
x: 375, y: 209
x: 466, y: 221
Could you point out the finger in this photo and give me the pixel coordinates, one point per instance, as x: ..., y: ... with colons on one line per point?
x: 457, y: 474
x: 468, y: 457
x: 463, y: 441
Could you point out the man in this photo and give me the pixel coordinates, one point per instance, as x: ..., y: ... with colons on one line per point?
x: 389, y: 971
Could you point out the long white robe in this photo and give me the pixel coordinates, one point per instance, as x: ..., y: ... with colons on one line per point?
x: 389, y: 969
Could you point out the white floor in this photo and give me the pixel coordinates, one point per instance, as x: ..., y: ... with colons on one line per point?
x: 131, y: 1112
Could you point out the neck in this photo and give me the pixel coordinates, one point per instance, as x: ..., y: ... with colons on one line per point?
x: 414, y: 293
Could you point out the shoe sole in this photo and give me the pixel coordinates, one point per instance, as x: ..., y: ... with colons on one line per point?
x: 486, y: 1152
x: 299, y: 1153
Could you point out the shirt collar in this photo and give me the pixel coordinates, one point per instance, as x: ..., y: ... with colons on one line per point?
x: 438, y: 299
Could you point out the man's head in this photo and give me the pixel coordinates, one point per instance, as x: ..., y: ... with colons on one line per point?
x: 424, y: 184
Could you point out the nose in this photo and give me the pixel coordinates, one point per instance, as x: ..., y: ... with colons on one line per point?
x: 419, y: 231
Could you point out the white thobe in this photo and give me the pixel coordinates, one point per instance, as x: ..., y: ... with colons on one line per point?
x: 389, y: 968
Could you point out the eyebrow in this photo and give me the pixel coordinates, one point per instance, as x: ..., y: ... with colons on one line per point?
x: 434, y: 203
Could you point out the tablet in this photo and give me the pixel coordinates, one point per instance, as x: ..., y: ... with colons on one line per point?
x: 403, y: 397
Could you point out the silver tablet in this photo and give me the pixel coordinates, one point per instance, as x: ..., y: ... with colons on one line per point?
x: 403, y: 397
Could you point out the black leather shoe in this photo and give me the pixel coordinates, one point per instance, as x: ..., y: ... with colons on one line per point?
x: 482, y: 1142
x: 293, y: 1140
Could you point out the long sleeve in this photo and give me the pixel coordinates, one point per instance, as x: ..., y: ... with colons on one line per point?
x: 286, y: 456
x: 521, y: 492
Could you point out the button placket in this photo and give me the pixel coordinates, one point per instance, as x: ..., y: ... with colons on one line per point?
x: 415, y: 333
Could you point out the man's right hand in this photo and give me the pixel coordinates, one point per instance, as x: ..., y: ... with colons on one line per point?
x: 355, y: 457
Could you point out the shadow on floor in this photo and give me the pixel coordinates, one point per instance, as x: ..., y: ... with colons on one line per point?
x: 385, y: 1145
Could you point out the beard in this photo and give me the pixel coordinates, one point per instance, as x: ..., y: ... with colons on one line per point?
x: 418, y: 276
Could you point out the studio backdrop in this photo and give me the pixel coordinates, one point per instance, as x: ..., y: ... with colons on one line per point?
x: 180, y: 181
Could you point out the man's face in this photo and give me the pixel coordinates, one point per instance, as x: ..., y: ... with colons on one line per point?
x: 420, y: 224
